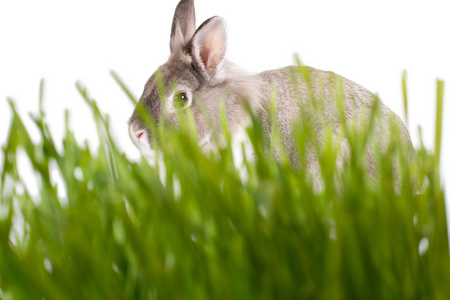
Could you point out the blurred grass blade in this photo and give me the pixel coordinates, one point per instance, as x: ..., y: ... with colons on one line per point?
x: 405, y: 97
x: 438, y: 128
x: 102, y: 129
x: 124, y: 88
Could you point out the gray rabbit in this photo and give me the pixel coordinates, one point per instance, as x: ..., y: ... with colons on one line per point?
x: 198, y: 76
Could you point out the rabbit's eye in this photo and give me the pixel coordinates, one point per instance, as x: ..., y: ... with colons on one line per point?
x: 180, y: 100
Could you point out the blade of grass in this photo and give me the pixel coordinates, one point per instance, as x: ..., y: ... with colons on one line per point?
x: 438, y: 128
x: 124, y: 88
x: 405, y: 97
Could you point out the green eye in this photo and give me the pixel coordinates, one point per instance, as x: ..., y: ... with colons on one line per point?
x: 180, y: 100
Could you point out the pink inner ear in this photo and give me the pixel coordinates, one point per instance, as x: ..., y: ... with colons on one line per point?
x: 204, y: 54
x: 211, y: 48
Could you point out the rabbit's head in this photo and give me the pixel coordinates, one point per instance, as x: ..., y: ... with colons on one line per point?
x: 195, y: 76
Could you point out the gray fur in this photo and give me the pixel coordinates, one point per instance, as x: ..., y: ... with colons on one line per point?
x: 197, y: 66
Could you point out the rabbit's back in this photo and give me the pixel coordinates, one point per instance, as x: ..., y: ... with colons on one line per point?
x: 323, y: 99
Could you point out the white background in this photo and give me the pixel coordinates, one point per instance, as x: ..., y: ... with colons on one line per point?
x: 368, y: 42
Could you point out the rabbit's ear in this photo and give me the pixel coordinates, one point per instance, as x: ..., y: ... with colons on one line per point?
x: 183, y: 25
x: 209, y: 44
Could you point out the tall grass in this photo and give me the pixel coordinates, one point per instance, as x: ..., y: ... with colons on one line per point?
x: 127, y: 230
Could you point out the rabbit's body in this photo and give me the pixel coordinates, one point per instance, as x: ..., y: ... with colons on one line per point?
x: 316, y: 101
x: 198, y: 76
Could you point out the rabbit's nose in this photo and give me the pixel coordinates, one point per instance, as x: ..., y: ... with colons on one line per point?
x: 141, y: 138
x: 138, y: 135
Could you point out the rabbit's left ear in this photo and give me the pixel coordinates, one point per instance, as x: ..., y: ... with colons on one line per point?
x: 183, y: 25
x: 209, y: 44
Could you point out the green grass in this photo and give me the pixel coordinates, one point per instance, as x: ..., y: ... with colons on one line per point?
x: 205, y: 234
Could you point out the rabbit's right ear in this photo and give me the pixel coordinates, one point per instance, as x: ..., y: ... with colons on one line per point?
x: 183, y: 25
x: 209, y: 45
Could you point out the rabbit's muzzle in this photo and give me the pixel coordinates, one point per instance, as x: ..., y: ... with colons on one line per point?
x: 140, y: 136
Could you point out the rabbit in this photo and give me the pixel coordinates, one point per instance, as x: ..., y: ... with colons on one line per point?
x: 198, y: 76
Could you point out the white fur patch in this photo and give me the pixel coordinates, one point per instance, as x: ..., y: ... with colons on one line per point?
x: 206, y: 140
x: 240, y: 145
